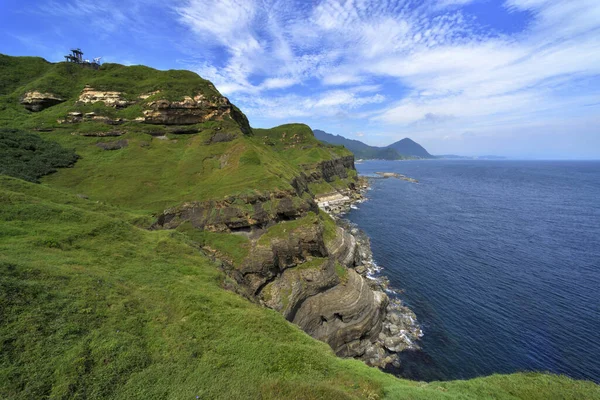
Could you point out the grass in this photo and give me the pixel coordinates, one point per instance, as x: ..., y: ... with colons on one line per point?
x: 185, y: 167
x: 286, y: 228
x: 329, y: 227
x: 234, y: 248
x: 19, y: 75
x: 342, y: 272
x: 93, y: 307
x: 298, y: 143
x: 156, y: 174
x: 314, y: 263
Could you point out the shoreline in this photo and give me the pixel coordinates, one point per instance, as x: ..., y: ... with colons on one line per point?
x: 400, y: 329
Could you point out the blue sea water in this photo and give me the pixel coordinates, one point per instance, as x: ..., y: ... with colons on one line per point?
x: 500, y: 260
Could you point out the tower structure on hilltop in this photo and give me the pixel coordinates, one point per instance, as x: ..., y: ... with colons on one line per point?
x: 76, y: 57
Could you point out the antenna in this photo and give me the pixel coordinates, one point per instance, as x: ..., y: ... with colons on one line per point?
x: 97, y: 60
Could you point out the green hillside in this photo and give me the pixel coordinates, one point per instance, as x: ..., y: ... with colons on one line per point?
x: 98, y: 302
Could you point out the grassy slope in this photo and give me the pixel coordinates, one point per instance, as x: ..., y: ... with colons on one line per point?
x: 152, y: 174
x: 177, y: 165
x: 94, y: 307
x: 297, y: 144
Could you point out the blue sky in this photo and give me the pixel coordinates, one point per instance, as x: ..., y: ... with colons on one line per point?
x: 511, y: 77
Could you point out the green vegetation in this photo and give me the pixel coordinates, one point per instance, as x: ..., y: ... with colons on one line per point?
x: 298, y: 144
x: 341, y: 272
x: 286, y: 228
x: 29, y: 157
x: 315, y: 263
x: 93, y: 305
x: 234, y: 248
x: 330, y: 227
x: 18, y: 71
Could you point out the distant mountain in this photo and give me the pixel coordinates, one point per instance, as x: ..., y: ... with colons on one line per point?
x: 409, y: 147
x: 401, y: 150
x: 360, y: 149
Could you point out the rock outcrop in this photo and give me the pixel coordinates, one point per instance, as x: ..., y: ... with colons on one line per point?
x: 331, y: 170
x: 348, y: 316
x: 238, y: 213
x: 187, y: 111
x: 36, y: 101
x: 109, y: 98
x: 116, y: 145
x: 193, y: 110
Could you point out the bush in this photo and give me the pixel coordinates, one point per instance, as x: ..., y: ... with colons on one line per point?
x: 27, y: 156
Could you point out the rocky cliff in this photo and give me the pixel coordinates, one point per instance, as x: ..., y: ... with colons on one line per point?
x: 302, y: 265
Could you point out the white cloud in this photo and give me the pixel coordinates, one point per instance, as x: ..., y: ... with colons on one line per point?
x: 279, y: 83
x: 395, y: 65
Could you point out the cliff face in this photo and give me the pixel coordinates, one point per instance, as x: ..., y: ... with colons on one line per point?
x: 330, y: 170
x: 239, y: 212
x: 193, y: 110
x: 301, y: 265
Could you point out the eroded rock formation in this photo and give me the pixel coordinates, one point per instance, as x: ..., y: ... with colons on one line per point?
x: 238, y: 213
x: 36, y: 101
x: 318, y: 284
x: 109, y: 98
x: 187, y: 111
x: 193, y: 110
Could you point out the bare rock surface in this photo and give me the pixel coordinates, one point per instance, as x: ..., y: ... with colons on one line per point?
x: 193, y: 110
x: 36, y: 101
x: 89, y: 95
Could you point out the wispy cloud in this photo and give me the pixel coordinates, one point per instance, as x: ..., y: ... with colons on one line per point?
x: 453, y: 71
x: 427, y: 67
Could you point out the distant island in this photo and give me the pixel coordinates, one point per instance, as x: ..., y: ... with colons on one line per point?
x: 405, y: 149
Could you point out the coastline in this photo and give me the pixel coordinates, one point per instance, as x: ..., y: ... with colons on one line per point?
x: 400, y: 329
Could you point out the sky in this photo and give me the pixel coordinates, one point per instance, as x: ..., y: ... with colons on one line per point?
x: 519, y: 78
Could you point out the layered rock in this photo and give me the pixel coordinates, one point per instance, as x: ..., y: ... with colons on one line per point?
x: 193, y: 110
x: 348, y: 316
x: 320, y: 285
x: 36, y: 101
x: 330, y: 170
x: 344, y: 248
x: 238, y: 213
x: 115, y: 99
x: 188, y: 111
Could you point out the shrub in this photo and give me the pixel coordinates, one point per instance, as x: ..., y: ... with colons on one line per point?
x: 27, y: 156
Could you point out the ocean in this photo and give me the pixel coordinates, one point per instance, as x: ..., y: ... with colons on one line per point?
x: 500, y: 261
